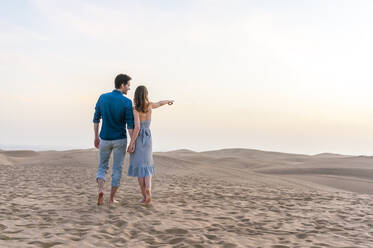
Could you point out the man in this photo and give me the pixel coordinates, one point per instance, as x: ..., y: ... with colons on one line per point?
x: 115, y: 111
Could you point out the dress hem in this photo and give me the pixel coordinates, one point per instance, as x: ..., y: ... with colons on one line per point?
x: 141, y: 171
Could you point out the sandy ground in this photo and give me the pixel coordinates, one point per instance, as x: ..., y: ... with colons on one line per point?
x: 226, y: 198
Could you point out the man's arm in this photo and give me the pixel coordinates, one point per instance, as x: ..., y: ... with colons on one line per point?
x: 129, y: 119
x: 97, y: 138
x: 96, y: 123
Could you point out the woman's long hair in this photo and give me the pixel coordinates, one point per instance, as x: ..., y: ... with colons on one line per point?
x: 141, y: 99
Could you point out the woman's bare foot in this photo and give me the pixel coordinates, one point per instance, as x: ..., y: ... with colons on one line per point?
x: 142, y: 201
x: 100, y: 198
x: 148, y: 195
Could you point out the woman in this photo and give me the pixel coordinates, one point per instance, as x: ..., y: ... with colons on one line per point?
x: 140, y: 148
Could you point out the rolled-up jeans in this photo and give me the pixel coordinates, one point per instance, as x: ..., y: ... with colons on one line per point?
x: 118, y: 147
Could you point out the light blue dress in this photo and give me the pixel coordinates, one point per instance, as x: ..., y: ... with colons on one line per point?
x: 141, y: 161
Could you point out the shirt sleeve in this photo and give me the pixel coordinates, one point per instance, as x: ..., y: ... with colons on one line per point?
x: 97, y: 115
x: 129, y: 116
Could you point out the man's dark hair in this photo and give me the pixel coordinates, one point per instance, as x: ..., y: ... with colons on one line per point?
x: 121, y: 79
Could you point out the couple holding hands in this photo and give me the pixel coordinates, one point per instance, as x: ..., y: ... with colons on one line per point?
x: 117, y: 112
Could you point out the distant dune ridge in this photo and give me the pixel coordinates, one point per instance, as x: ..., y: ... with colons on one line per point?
x: 4, y: 160
x: 222, y: 198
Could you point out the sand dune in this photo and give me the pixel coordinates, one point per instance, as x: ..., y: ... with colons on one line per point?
x: 20, y: 153
x: 225, y: 198
x: 4, y: 160
x: 330, y: 155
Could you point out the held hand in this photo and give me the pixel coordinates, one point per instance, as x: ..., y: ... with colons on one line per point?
x: 97, y: 143
x: 131, y: 148
x: 170, y: 102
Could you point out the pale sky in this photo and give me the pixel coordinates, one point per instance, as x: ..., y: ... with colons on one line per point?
x: 289, y: 76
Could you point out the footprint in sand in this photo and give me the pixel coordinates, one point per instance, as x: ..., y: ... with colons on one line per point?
x: 177, y: 231
x: 176, y: 240
x: 2, y: 227
x: 301, y: 235
x: 45, y: 244
x: 211, y: 236
x: 120, y: 223
x: 280, y: 246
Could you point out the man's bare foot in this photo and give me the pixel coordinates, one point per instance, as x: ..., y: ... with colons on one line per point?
x: 113, y: 201
x: 142, y: 201
x: 148, y: 195
x: 100, y: 198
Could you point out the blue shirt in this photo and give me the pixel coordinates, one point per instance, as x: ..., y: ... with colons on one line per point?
x: 115, y: 111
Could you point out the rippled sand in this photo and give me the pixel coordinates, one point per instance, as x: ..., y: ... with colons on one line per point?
x: 228, y: 198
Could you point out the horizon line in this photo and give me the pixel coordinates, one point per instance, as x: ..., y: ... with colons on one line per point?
x: 64, y: 148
